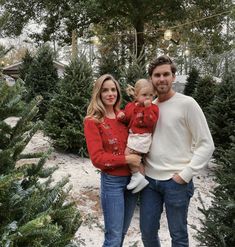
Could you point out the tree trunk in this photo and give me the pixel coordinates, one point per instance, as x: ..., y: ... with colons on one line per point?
x: 139, y: 39
x: 74, y: 45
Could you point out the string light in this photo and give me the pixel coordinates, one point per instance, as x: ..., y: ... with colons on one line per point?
x: 176, y: 26
x: 202, y: 19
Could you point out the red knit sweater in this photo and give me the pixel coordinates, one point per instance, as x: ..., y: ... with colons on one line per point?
x: 140, y: 119
x: 106, y: 143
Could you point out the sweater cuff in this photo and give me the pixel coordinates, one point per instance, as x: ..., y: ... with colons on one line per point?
x: 186, y: 174
x: 119, y: 161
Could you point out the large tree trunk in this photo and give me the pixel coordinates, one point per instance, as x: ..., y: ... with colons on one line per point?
x: 140, y: 50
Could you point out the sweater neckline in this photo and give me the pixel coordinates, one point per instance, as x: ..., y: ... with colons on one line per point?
x: 171, y: 98
x: 107, y: 118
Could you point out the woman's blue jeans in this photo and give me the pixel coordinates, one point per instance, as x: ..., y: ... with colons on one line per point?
x: 176, y: 198
x: 118, y: 206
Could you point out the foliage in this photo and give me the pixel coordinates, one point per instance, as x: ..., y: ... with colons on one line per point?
x: 41, y: 78
x: 11, y: 100
x: 26, y: 65
x: 64, y: 120
x: 221, y: 114
x: 205, y: 91
x: 131, y: 73
x: 146, y: 26
x: 33, y: 211
x: 218, y: 226
x: 191, y: 83
x: 4, y: 50
x: 109, y: 64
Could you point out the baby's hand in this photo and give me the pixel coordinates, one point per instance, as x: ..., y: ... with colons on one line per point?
x: 120, y: 115
x: 147, y: 103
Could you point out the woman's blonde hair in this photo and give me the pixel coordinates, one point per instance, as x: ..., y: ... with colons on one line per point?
x: 96, y: 108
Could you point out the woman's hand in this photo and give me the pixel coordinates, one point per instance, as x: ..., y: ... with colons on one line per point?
x: 133, y: 159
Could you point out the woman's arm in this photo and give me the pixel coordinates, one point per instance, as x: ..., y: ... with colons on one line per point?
x: 99, y: 157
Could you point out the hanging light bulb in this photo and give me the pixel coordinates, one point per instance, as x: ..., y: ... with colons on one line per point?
x: 168, y: 34
x: 187, y: 52
x: 95, y: 40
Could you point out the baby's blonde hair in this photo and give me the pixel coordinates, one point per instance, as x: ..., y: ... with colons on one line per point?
x: 141, y: 83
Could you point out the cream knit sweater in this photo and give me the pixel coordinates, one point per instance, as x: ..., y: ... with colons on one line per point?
x: 181, y: 143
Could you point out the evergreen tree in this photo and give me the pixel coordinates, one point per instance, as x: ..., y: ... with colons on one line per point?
x: 64, y: 121
x: 42, y: 78
x: 218, y: 226
x: 33, y: 212
x: 10, y: 100
x: 135, y: 70
x: 109, y: 64
x: 204, y: 92
x: 191, y: 83
x: 221, y: 114
x: 26, y: 65
x: 131, y: 73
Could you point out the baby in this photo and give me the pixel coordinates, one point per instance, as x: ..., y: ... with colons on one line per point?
x: 141, y: 117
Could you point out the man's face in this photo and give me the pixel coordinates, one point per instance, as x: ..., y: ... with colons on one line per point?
x: 162, y: 79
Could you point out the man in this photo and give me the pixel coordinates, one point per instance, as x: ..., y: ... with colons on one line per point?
x: 181, y: 146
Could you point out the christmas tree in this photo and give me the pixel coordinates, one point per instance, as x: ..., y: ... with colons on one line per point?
x: 191, y: 83
x: 109, y: 64
x: 24, y: 69
x: 204, y: 92
x: 221, y: 114
x: 64, y: 121
x: 42, y: 78
x: 131, y: 73
x: 33, y: 211
x: 218, y: 226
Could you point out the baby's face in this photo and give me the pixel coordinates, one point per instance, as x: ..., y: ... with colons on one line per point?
x: 145, y: 93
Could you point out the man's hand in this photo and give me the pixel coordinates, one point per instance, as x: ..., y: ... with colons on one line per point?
x: 178, y: 179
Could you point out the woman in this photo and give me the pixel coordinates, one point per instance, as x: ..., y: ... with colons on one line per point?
x: 106, y: 140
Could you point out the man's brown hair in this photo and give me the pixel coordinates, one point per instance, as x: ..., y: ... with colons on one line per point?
x: 161, y: 61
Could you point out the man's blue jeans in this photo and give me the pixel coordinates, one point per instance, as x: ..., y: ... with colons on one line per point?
x: 118, y: 206
x: 176, y: 198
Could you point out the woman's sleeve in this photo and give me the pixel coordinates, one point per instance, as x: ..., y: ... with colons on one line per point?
x: 100, y: 159
x: 128, y: 113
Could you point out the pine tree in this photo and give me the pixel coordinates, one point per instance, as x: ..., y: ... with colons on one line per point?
x: 221, y: 114
x: 204, y: 92
x: 42, y: 78
x: 26, y: 65
x: 135, y: 70
x: 218, y: 226
x: 109, y: 64
x: 33, y: 212
x: 64, y: 121
x: 130, y: 74
x: 191, y: 83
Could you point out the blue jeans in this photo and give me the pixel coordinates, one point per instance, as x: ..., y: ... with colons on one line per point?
x: 176, y: 198
x: 118, y: 205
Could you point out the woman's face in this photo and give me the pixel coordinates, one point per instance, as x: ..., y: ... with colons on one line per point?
x: 109, y: 93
